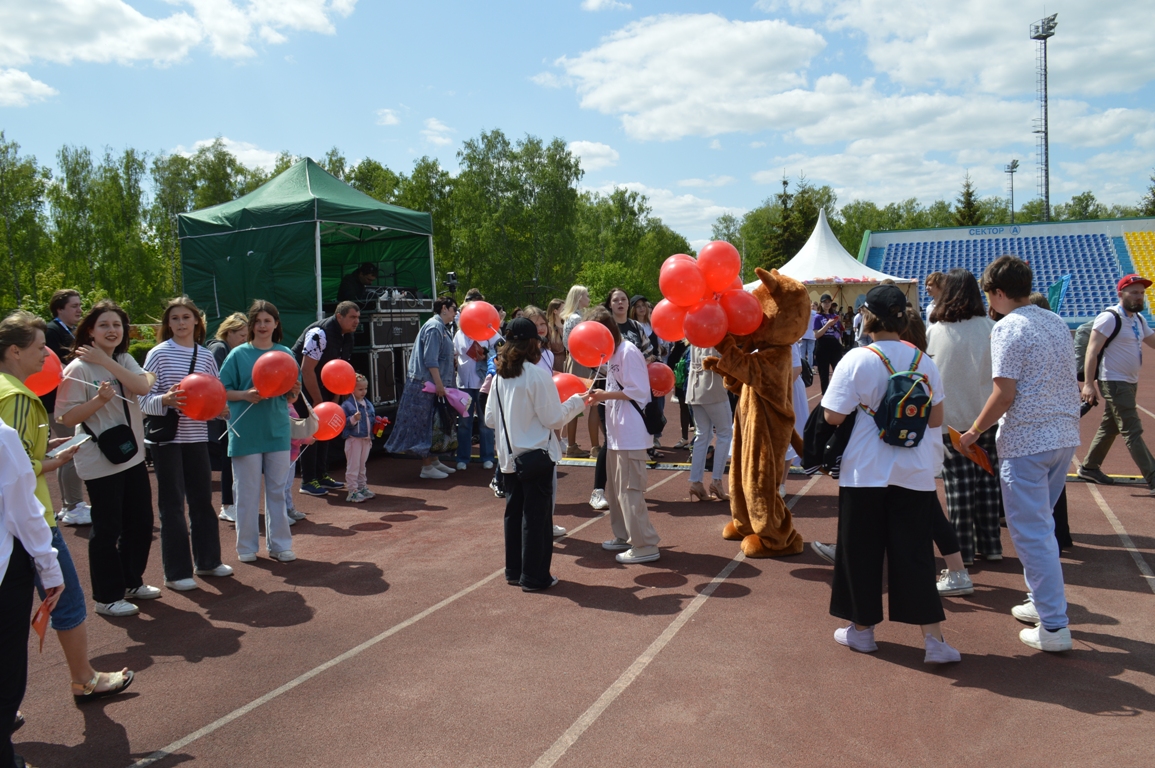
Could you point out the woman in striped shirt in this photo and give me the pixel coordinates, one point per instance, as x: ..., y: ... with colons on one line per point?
x: 182, y: 464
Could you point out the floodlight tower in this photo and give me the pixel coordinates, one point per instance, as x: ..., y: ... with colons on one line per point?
x: 1042, y: 31
x: 1010, y: 171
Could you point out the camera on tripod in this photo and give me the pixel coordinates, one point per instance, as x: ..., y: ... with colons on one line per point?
x: 451, y: 281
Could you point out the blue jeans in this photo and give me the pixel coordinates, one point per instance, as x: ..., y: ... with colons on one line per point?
x: 465, y: 431
x: 808, y: 350
x: 715, y: 417
x: 1031, y: 487
x: 70, y: 611
x: 247, y: 473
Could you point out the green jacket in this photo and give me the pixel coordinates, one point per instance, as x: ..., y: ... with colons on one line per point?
x: 23, y: 411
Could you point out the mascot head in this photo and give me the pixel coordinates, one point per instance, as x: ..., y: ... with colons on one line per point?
x: 785, y: 311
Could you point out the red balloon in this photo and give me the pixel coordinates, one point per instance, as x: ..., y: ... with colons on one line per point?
x: 743, y: 311
x: 479, y: 320
x: 204, y: 396
x: 674, y: 259
x: 720, y: 263
x: 339, y: 377
x: 737, y: 285
x: 661, y: 379
x: 705, y: 324
x: 666, y: 320
x: 330, y: 420
x: 569, y: 385
x: 590, y: 343
x: 48, y: 377
x: 274, y: 373
x: 682, y: 283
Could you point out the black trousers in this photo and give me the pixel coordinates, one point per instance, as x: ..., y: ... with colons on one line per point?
x: 315, y: 461
x: 121, y: 532
x: 943, y: 532
x: 16, y: 610
x: 528, y: 530
x: 685, y: 416
x: 894, y: 524
x: 1062, y: 526
x: 600, y: 466
x: 183, y: 473
x: 827, y: 353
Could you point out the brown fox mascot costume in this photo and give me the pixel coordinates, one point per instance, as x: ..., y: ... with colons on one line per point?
x: 757, y: 368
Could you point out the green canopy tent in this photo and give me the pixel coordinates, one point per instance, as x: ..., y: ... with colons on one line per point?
x: 291, y: 240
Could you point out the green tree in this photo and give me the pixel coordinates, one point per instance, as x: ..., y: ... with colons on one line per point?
x: 70, y: 203
x: 375, y: 180
x: 994, y: 210
x: 1081, y: 207
x: 428, y: 188
x: 173, y: 184
x: 23, y: 184
x: 126, y: 266
x: 1147, y: 204
x: 967, y: 212
x: 219, y: 176
x: 1032, y: 210
x: 334, y: 162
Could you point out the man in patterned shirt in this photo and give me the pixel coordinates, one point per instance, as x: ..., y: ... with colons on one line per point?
x: 1036, y: 403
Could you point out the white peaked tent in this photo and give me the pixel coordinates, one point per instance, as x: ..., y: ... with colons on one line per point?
x: 824, y: 266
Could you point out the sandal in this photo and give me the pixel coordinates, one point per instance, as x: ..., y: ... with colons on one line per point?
x: 117, y: 682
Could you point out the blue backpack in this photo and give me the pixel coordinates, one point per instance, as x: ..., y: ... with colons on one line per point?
x: 904, y: 412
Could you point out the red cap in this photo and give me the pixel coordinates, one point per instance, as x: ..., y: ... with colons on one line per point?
x: 1130, y: 280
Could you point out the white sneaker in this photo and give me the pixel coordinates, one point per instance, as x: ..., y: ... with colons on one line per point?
x: 616, y: 545
x: 953, y: 583
x: 247, y: 558
x: 285, y: 556
x: 443, y: 468
x: 487, y: 465
x: 598, y: 499
x: 940, y: 652
x: 431, y: 472
x: 559, y: 531
x: 181, y: 585
x: 81, y: 514
x: 293, y: 514
x: 461, y: 465
x: 228, y: 513
x: 143, y: 592
x: 365, y: 492
x: 825, y: 551
x: 637, y: 556
x: 1026, y: 612
x: 1046, y: 640
x: 220, y: 570
x: 119, y: 608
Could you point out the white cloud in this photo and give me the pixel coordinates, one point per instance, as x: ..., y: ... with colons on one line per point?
x: 757, y: 144
x: 605, y: 5
x: 387, y: 117
x: 19, y: 89
x: 679, y: 212
x: 107, y: 31
x: 594, y: 155
x: 548, y: 80
x: 713, y: 181
x: 247, y: 153
x: 437, y: 132
x: 715, y: 144
x: 663, y: 88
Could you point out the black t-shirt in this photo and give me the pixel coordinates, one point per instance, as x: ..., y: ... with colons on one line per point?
x: 351, y: 289
x: 632, y: 330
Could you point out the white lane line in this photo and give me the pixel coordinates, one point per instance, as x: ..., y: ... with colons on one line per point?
x: 813, y: 396
x: 1152, y: 415
x: 590, y: 716
x: 1124, y: 537
x: 244, y: 710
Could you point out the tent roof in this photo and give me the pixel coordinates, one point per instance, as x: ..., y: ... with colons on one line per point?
x: 823, y: 260
x: 305, y: 192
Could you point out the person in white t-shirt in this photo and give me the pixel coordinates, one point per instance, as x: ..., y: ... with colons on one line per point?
x: 807, y: 340
x: 1118, y: 381
x: 627, y: 391
x: 887, y: 496
x: 472, y: 364
x: 1035, y: 401
x: 934, y: 285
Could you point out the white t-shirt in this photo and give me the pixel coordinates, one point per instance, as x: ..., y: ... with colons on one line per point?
x: 625, y: 429
x: 90, y: 462
x: 868, y: 462
x: 810, y: 327
x: 962, y: 352
x: 798, y: 398
x: 1033, y: 346
x: 468, y: 377
x: 315, y: 343
x: 1123, y: 357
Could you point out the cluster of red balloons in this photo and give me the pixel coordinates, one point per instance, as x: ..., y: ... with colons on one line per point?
x: 704, y: 299
x: 47, y: 378
x: 479, y: 320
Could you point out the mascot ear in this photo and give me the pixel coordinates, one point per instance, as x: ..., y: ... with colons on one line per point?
x: 769, y: 279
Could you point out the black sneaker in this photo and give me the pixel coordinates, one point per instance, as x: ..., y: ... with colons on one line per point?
x: 1096, y: 476
x: 313, y: 488
x: 331, y: 484
x: 496, y: 490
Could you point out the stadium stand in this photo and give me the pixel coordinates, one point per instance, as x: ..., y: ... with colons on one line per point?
x: 1094, y: 253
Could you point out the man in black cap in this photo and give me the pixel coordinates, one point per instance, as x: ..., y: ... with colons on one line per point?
x: 353, y: 285
x: 827, y: 340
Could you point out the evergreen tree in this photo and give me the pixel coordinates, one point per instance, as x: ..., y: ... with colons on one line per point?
x: 1147, y: 204
x: 967, y: 212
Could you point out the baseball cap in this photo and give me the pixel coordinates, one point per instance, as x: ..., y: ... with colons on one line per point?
x: 521, y: 329
x: 825, y: 297
x: 885, y: 300
x: 1132, y: 279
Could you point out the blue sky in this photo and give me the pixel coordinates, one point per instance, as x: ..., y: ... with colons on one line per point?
x: 702, y: 106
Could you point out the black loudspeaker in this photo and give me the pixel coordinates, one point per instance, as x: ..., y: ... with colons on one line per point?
x: 386, y: 370
x: 387, y: 330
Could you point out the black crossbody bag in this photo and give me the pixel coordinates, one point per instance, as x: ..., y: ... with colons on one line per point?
x: 162, y: 429
x: 652, y: 415
x: 531, y: 465
x: 118, y: 444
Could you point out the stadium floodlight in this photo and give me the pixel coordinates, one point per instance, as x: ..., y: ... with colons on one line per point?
x: 1042, y: 31
x: 1010, y: 171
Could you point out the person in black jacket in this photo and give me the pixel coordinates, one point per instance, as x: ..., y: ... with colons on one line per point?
x: 355, y: 284
x: 66, y: 314
x: 324, y: 340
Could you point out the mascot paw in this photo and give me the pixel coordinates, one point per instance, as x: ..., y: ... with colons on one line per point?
x: 709, y: 363
x: 755, y: 546
x: 730, y: 532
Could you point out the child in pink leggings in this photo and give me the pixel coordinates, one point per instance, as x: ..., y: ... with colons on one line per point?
x: 359, y: 417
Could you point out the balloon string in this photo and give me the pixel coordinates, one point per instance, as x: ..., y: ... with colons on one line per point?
x: 97, y: 386
x: 234, y: 421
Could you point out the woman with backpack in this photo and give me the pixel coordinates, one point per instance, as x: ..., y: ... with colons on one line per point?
x: 887, y: 496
